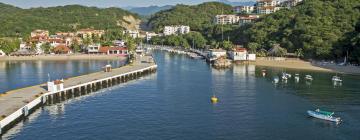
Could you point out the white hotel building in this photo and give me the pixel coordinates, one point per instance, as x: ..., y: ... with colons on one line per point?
x: 170, y: 30
x: 226, y: 19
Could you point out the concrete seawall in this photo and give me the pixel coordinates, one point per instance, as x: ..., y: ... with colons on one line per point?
x: 18, y: 104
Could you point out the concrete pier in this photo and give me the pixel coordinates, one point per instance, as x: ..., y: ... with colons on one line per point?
x: 18, y: 104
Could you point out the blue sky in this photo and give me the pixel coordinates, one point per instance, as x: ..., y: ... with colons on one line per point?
x: 102, y: 3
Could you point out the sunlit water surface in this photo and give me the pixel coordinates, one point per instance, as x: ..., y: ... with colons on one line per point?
x: 174, y: 103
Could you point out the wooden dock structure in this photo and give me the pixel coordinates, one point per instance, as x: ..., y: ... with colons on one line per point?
x: 18, y: 104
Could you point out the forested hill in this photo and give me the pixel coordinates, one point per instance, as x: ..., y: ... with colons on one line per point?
x: 197, y: 17
x: 15, y: 21
x: 147, y: 11
x: 323, y: 29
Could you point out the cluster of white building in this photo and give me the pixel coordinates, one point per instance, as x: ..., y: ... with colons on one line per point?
x: 118, y: 48
x: 132, y: 33
x: 266, y: 6
x: 249, y: 14
x: 237, y: 54
x: 235, y: 19
x: 176, y: 30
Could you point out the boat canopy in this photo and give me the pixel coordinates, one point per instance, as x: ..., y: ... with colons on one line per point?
x: 325, y: 112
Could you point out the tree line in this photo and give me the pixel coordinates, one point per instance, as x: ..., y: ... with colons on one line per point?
x: 316, y: 29
x: 17, y: 22
x: 11, y: 44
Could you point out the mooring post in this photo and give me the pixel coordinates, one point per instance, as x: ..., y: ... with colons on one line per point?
x: 84, y: 90
x: 62, y: 96
x: 43, y: 99
x: 25, y: 111
x: 52, y: 98
x: 47, y: 98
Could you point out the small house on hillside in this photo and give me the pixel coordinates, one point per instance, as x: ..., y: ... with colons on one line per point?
x: 216, y: 53
x: 88, y: 33
x: 25, y: 46
x: 238, y: 54
x: 93, y: 49
x: 119, y: 43
x: 55, y: 41
x: 121, y: 51
x: 62, y: 49
x: 56, y: 85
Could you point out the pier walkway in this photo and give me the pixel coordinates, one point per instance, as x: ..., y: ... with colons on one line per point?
x: 15, y: 100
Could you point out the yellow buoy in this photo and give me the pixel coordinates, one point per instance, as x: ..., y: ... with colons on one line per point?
x: 214, y: 99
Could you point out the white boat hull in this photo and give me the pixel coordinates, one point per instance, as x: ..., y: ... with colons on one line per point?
x: 323, y: 117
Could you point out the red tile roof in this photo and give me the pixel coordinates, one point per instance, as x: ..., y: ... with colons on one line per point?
x: 104, y: 49
x: 62, y: 49
x: 117, y: 48
x: 57, y: 40
x: 239, y: 49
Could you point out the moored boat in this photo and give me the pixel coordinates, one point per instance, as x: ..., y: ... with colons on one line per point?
x: 324, y: 115
x: 263, y: 73
x: 276, y: 80
x: 309, y: 77
x: 288, y: 75
x: 336, y: 79
x: 297, y: 78
x: 284, y: 77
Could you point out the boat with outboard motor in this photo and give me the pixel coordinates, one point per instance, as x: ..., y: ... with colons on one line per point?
x: 309, y: 77
x: 336, y: 79
x: 324, y: 115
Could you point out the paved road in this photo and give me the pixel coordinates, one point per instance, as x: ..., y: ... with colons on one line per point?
x: 15, y: 99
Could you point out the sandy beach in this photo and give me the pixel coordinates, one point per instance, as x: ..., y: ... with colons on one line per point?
x: 301, y: 64
x: 62, y: 57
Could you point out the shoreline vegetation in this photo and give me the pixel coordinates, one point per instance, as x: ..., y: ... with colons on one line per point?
x: 62, y: 57
x: 310, y: 30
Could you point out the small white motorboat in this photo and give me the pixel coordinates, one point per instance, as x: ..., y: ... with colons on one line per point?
x: 324, y: 115
x: 276, y: 80
x: 263, y: 73
x: 336, y: 79
x: 297, y: 78
x: 288, y: 75
x: 309, y: 77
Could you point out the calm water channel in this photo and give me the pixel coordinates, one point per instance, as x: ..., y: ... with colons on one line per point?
x: 174, y: 103
x: 18, y: 74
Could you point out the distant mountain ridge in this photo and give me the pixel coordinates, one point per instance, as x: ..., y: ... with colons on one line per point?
x: 150, y: 10
x: 146, y: 11
x: 240, y: 3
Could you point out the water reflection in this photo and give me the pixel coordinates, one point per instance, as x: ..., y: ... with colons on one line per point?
x: 20, y: 126
x: 17, y: 74
x: 175, y: 105
x: 317, y: 86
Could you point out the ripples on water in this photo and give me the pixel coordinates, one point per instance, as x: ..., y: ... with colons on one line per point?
x: 17, y: 74
x: 174, y: 104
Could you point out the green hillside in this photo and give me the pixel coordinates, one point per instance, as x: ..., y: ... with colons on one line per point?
x: 19, y: 22
x: 198, y: 17
x: 323, y: 29
x: 147, y: 11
